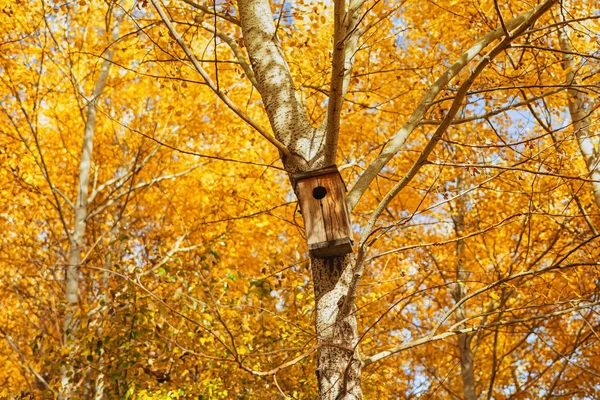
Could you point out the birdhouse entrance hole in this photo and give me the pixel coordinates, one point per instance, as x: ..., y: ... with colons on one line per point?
x: 319, y: 192
x: 322, y: 197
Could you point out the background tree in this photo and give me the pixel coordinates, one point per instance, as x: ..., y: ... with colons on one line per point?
x: 464, y: 130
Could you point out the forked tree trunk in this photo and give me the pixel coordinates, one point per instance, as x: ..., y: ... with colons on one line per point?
x: 304, y: 147
x: 339, y: 366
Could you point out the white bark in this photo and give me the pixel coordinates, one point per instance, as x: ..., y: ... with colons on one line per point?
x: 339, y: 365
x: 276, y: 87
x: 459, y: 293
x: 589, y: 144
x: 77, y: 236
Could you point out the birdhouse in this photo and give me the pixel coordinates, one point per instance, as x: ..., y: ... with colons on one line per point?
x: 322, y: 196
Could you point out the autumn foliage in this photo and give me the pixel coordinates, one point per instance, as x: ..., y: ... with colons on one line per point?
x: 477, y: 239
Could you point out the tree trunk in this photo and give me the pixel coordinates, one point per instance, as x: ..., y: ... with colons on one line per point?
x: 339, y: 364
x: 580, y: 116
x: 460, y: 292
x: 77, y: 237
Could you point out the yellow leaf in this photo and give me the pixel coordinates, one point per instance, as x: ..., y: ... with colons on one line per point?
x: 487, y: 7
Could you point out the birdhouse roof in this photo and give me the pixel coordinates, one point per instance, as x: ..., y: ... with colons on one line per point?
x: 332, y: 169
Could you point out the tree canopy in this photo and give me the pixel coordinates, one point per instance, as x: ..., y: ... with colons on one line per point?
x: 153, y: 247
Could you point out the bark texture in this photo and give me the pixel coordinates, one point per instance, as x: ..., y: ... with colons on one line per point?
x: 276, y: 86
x: 77, y: 237
x: 589, y: 145
x: 459, y: 293
x: 339, y: 364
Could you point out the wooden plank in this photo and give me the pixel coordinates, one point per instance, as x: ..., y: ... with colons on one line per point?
x: 311, y: 212
x: 334, y: 207
x: 316, y: 172
x: 332, y: 169
x: 331, y: 249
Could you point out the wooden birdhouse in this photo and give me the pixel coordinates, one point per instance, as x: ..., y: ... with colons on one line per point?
x: 322, y: 196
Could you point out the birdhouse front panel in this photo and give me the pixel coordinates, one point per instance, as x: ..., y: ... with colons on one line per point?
x: 323, y: 203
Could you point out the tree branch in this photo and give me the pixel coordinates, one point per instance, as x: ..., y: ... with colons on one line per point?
x: 456, y: 104
x: 275, y: 84
x: 414, y: 120
x: 246, y: 118
x: 22, y: 357
x: 233, y: 46
x: 210, y: 11
x: 345, y: 43
x: 453, y: 331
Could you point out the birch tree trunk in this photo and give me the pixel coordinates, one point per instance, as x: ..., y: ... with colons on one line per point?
x: 77, y: 236
x: 459, y: 293
x: 589, y: 145
x: 339, y: 366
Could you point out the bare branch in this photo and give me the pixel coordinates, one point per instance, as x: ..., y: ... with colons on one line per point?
x: 22, y: 357
x: 453, y: 331
x: 233, y: 46
x: 413, y: 121
x: 210, y: 11
x: 506, y: 32
x: 456, y: 104
x: 245, y: 117
x: 505, y: 221
x: 345, y: 43
x: 555, y: 266
x: 141, y: 185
